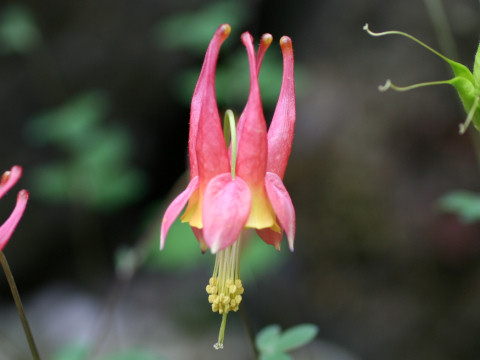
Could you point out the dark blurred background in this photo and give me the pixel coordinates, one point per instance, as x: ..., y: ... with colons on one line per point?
x: 94, y: 104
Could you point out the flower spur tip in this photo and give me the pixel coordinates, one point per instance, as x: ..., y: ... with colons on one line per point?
x: 23, y: 195
x: 225, y: 29
x: 285, y: 41
x: 266, y: 39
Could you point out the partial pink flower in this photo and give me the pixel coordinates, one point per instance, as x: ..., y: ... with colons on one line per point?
x: 7, y: 181
x: 222, y: 201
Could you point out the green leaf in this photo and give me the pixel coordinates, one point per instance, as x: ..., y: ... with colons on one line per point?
x: 465, y: 204
x: 276, y: 356
x: 267, y: 339
x: 297, y: 336
x: 18, y: 32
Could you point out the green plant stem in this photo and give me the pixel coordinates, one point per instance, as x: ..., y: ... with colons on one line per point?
x: 18, y: 303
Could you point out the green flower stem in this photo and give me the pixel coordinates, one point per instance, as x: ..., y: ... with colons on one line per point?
x: 18, y: 303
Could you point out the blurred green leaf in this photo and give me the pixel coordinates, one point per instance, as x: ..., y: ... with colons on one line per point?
x: 272, y: 343
x: 276, y: 356
x: 193, y: 30
x: 71, y: 352
x: 232, y: 81
x: 267, y: 339
x: 18, y: 32
x: 259, y: 258
x: 297, y: 336
x: 94, y: 170
x: 51, y: 183
x: 181, y: 252
x: 465, y: 204
x: 71, y: 124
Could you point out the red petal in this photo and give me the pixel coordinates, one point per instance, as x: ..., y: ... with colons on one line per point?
x: 280, y: 133
x: 199, y: 235
x: 175, y: 208
x: 265, y: 42
x: 271, y: 237
x: 9, y: 179
x: 252, y: 143
x: 282, y: 205
x: 203, y: 102
x: 8, y: 227
x: 210, y: 149
x: 226, y: 207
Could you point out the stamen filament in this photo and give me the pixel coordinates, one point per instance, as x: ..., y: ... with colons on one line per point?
x: 225, y: 288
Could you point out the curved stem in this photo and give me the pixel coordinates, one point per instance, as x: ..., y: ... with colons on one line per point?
x: 18, y: 303
x: 389, y: 85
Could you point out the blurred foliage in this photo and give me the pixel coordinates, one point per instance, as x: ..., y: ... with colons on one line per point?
x: 464, y: 204
x: 18, y: 31
x: 182, y: 253
x: 233, y: 80
x: 94, y: 171
x: 273, y: 344
x: 193, y: 30
x: 81, y: 352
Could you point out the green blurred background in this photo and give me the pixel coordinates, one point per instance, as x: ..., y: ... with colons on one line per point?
x: 94, y: 104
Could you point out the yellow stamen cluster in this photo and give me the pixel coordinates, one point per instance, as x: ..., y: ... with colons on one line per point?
x: 224, y: 297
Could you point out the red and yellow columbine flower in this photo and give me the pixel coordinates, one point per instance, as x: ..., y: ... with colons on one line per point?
x: 238, y: 185
x: 7, y: 181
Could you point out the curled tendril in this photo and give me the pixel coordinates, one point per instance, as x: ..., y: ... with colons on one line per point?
x: 466, y: 83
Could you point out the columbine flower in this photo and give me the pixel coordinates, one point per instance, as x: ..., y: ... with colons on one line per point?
x: 465, y: 82
x: 237, y: 184
x: 7, y: 181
